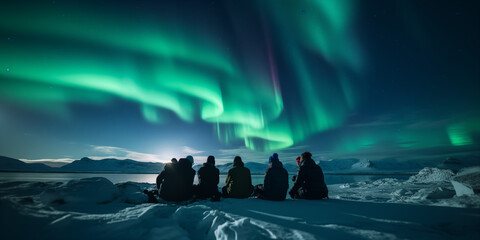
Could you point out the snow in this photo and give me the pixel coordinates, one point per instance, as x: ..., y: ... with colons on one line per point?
x: 96, y: 190
x: 95, y: 208
x: 428, y: 175
x: 431, y: 186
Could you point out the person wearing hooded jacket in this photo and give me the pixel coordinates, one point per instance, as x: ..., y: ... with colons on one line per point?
x: 208, y: 179
x: 275, y: 184
x: 310, y: 182
x: 238, y: 181
x: 175, y: 183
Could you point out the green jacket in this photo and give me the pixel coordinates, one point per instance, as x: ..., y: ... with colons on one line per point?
x: 239, y: 181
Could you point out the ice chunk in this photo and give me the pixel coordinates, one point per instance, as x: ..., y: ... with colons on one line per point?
x: 429, y: 175
x: 467, y: 181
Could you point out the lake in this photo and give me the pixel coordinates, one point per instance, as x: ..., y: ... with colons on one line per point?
x: 150, y: 178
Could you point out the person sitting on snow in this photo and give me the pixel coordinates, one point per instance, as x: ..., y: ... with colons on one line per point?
x: 165, y: 171
x: 175, y: 183
x: 239, y: 181
x: 310, y: 182
x: 208, y: 178
x: 275, y: 184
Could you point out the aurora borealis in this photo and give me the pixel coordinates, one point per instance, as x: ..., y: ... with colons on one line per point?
x: 342, y: 76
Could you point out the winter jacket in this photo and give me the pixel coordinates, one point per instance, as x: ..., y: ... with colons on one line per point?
x: 176, y: 181
x: 275, y: 185
x: 239, y: 181
x: 208, y: 178
x: 310, y: 182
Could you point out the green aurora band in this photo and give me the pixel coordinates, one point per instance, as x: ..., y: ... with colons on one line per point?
x: 92, y: 56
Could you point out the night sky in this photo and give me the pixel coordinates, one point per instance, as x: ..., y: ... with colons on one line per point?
x: 152, y: 80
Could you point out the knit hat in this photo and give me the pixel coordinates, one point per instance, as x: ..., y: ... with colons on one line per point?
x: 211, y: 160
x: 190, y: 158
x: 272, y: 158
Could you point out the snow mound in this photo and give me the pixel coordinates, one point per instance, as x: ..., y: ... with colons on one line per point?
x: 131, y: 193
x: 429, y: 175
x: 87, y: 190
x: 363, y: 164
x: 467, y: 181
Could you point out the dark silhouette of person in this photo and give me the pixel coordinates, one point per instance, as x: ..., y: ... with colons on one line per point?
x: 275, y: 183
x: 208, y: 179
x: 310, y: 182
x: 175, y: 183
x: 160, y: 178
x: 166, y: 169
x: 239, y: 181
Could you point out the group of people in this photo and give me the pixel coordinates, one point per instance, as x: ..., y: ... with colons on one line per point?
x: 175, y: 182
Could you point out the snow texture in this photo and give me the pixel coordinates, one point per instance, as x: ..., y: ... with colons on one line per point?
x: 95, y: 208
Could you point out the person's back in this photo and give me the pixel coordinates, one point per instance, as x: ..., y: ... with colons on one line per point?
x: 165, y: 182
x: 178, y: 182
x: 239, y: 181
x: 310, y: 182
x: 275, y: 184
x: 208, y: 178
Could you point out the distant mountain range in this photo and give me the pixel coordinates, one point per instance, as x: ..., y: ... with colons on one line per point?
x: 112, y: 165
x: 12, y: 164
x: 350, y: 165
x: 83, y: 165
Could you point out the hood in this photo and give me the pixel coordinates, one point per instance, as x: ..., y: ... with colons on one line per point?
x: 237, y: 163
x: 277, y: 164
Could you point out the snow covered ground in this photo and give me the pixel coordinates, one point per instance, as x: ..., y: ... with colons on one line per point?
x: 423, y: 207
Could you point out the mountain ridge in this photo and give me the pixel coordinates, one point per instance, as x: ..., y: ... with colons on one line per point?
x: 342, y: 166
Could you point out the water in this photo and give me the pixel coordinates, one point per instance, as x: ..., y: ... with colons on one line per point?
x: 151, y: 178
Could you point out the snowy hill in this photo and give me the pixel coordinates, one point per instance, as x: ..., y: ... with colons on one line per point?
x: 225, y: 167
x: 459, y: 162
x: 347, y: 165
x: 393, y: 164
x: 12, y: 164
x: 112, y: 165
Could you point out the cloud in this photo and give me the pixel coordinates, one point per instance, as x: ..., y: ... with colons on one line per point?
x: 122, y: 153
x: 191, y: 151
x: 108, y: 149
